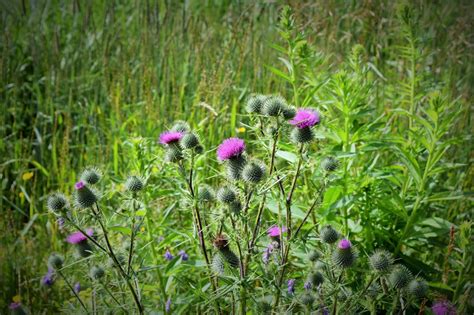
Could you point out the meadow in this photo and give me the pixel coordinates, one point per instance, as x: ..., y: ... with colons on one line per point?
x: 345, y: 188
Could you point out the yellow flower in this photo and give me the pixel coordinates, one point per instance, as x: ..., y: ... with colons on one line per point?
x: 27, y: 175
x: 17, y: 298
x: 155, y: 169
x: 241, y: 130
x: 142, y: 229
x: 21, y: 195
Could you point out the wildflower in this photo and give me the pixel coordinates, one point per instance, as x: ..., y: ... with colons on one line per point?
x: 267, y: 253
x: 305, y: 118
x: 443, y: 308
x: 57, y: 203
x: 316, y: 278
x: 134, y: 184
x: 48, y: 278
x: 344, y: 256
x: 206, y: 193
x: 226, y: 195
x: 189, y: 141
x: 274, y: 232
x: 314, y: 255
x: 330, y: 164
x: 253, y: 172
x: 55, y: 261
x: 381, y: 261
x: 168, y: 255
x: 170, y: 137
x: 17, y: 308
x: 328, y: 234
x: 344, y: 244
x: 60, y: 221
x: 80, y: 240
x: 184, y: 256
x: 230, y: 148
x: 307, y: 299
x: 168, y: 305
x: 180, y: 126
x: 307, y: 285
x: 418, y: 288
x: 91, y: 176
x: 400, y: 277
x: 291, y: 286
x: 221, y: 243
x: 84, y: 196
x: 77, y: 287
x: 274, y: 106
x: 255, y: 103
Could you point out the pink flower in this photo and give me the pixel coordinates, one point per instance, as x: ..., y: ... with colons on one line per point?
x: 168, y: 137
x: 78, y: 237
x: 79, y: 185
x: 275, y: 231
x: 443, y: 308
x: 230, y: 148
x: 305, y: 118
x: 344, y: 244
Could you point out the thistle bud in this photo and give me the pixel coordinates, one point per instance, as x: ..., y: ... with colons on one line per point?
x: 134, y: 184
x: 97, y: 272
x: 418, y: 288
x: 344, y: 255
x: 289, y: 112
x: 91, y: 176
x: 222, y: 245
x: 274, y: 106
x: 328, y: 234
x: 316, y: 278
x: 180, y: 126
x: 314, y: 255
x: 55, y: 261
x: 400, y: 277
x: 206, y: 193
x: 235, y: 207
x: 307, y: 299
x: 218, y: 264
x: 329, y: 164
x: 253, y: 172
x: 189, y: 141
x: 226, y: 195
x: 57, y: 202
x: 302, y: 135
x: 235, y: 166
x: 255, y: 103
x: 84, y: 196
x: 173, y: 154
x: 381, y: 261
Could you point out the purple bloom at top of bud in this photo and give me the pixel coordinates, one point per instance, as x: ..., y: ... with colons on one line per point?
x: 184, y: 256
x: 14, y: 305
x: 291, y: 286
x: 79, y: 185
x: 48, y: 278
x: 308, y: 285
x: 305, y: 118
x: 168, y: 255
x: 443, y: 308
x: 275, y: 231
x: 77, y: 287
x: 78, y: 237
x: 168, y: 305
x: 168, y: 137
x: 344, y: 244
x: 230, y: 148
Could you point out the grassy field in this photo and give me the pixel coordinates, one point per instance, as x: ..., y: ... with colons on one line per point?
x: 94, y: 83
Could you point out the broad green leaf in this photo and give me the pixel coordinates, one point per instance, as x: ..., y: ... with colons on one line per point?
x: 290, y: 157
x: 122, y: 229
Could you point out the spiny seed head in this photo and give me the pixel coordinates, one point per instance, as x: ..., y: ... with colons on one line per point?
x: 328, y: 234
x: 289, y: 112
x: 253, y: 172
x: 400, y: 277
x: 255, y: 103
x: 230, y: 257
x: 218, y: 264
x: 91, y: 175
x: 235, y: 207
x: 220, y: 241
x: 274, y: 106
x: 330, y: 164
x: 307, y: 299
x: 226, y: 195
x: 418, y: 288
x: 302, y: 135
x: 57, y: 202
x: 55, y: 261
x: 173, y: 154
x: 235, y: 166
x: 314, y: 255
x: 206, y: 193
x: 381, y: 261
x: 319, y: 265
x: 134, y: 184
x: 374, y: 289
x: 189, y: 141
x: 180, y: 126
x: 316, y: 278
x: 97, y: 272
x: 344, y: 257
x: 85, y: 197
x: 83, y: 249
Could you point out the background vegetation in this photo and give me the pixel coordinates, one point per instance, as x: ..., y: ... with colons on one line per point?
x: 95, y: 82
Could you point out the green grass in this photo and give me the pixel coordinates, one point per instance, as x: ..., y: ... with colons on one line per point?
x: 95, y: 82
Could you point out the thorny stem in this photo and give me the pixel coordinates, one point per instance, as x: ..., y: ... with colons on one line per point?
x: 73, y: 291
x: 115, y: 260
x: 132, y: 237
x: 334, y: 307
x: 113, y: 297
x: 243, y: 295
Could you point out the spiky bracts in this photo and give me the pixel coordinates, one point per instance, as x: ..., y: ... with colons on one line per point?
x: 226, y: 195
x: 344, y: 255
x: 418, y: 288
x: 330, y: 164
x: 84, y: 197
x: 206, y: 193
x: 97, y: 272
x: 253, y: 172
x: 400, y: 277
x: 91, y: 175
x: 328, y: 234
x: 381, y: 261
x: 274, y: 106
x: 55, y: 261
x: 255, y: 103
x: 235, y: 166
x: 57, y: 203
x: 134, y: 184
x: 221, y: 243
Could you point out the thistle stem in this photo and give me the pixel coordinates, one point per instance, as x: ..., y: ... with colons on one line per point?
x: 73, y: 291
x: 132, y: 238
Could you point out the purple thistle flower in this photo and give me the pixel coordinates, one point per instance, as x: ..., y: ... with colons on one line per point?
x: 443, y: 308
x: 291, y: 286
x: 168, y: 255
x: 305, y: 118
x: 275, y: 231
x: 77, y: 287
x: 184, y: 256
x: 78, y: 237
x: 48, y: 278
x: 168, y: 137
x: 168, y: 305
x: 344, y: 244
x: 14, y: 305
x: 308, y: 286
x: 230, y: 148
x: 267, y: 254
x: 79, y: 185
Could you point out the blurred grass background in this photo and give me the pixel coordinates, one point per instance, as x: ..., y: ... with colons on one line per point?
x: 79, y: 78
